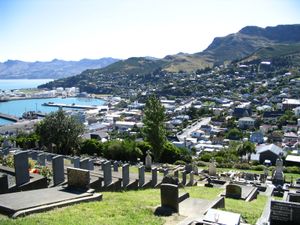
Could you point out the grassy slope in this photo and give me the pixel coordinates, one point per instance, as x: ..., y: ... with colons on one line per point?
x: 132, y: 207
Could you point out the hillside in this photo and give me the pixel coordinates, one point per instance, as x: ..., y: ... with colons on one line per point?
x: 55, y: 69
x: 250, y: 41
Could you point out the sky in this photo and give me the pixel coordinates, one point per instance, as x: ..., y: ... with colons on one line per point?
x: 42, y: 30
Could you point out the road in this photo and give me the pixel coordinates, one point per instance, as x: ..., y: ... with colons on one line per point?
x: 187, y: 131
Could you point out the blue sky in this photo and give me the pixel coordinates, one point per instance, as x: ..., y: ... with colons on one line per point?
x: 32, y: 30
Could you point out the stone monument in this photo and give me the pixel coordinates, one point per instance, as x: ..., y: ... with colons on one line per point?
x: 148, y: 161
x: 212, y: 171
x: 278, y: 177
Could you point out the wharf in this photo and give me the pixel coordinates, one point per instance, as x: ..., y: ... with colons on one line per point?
x: 73, y: 106
x: 9, y: 117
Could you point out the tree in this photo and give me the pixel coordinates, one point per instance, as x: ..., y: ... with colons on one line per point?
x: 246, y: 148
x: 62, y: 130
x: 154, y: 130
x: 234, y: 134
x: 91, y: 147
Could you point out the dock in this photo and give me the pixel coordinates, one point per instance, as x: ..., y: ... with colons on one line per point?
x: 73, y: 106
x: 9, y: 117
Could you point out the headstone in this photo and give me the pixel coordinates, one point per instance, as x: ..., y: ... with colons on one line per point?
x: 49, y: 156
x: 212, y: 171
x: 148, y: 161
x: 233, y: 191
x: 42, y: 159
x: 6, y: 143
x: 192, y: 178
x: 249, y: 176
x: 287, y: 213
x: 84, y: 164
x: 34, y: 155
x: 141, y: 176
x: 21, y: 168
x: 154, y: 176
x: 169, y: 196
x: 195, y: 169
x: 78, y: 178
x: 183, y: 177
x: 107, y: 173
x: 5, y: 151
x: 294, y: 197
x: 76, y: 162
x: 188, y: 168
x: 176, y: 173
x: 125, y: 175
x: 116, y: 166
x: 91, y: 164
x: 3, y: 183
x: 278, y: 177
x: 58, y: 170
x: 165, y: 171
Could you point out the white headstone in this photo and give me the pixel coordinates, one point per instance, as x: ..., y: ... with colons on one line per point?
x: 212, y: 171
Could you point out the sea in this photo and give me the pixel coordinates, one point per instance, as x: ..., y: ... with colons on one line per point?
x: 18, y: 107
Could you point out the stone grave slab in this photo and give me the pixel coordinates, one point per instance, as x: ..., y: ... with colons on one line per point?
x: 287, y: 213
x: 20, y: 203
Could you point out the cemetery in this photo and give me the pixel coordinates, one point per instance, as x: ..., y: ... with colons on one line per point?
x: 70, y: 180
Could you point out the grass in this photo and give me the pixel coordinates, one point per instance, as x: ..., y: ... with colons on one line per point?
x: 132, y: 207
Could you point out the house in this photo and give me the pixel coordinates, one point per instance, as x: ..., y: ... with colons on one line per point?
x: 272, y: 116
x: 290, y: 138
x: 197, y: 133
x: 257, y: 137
x: 206, y: 128
x: 246, y: 123
x: 268, y: 152
x: 242, y: 112
x: 297, y: 111
x: 292, y: 160
x: 290, y: 103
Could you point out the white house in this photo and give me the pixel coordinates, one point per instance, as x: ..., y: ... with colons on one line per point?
x: 297, y: 111
x: 246, y: 122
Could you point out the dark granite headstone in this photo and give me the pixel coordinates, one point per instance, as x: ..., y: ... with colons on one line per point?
x: 58, y: 170
x: 154, y: 176
x: 116, y: 166
x: 294, y: 197
x: 284, y: 213
x: 84, y: 164
x: 125, y: 175
x: 21, y: 168
x: 169, y: 196
x: 3, y: 183
x: 78, y: 178
x: 76, y: 162
x: 183, y: 177
x: 233, y: 191
x: 107, y: 173
x: 141, y: 176
x: 42, y: 159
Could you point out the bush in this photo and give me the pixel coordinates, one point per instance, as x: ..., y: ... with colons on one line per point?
x: 258, y: 168
x: 242, y: 166
x: 291, y: 169
x: 180, y: 162
x: 171, y: 154
x: 205, y: 157
x: 91, y: 147
x: 225, y: 165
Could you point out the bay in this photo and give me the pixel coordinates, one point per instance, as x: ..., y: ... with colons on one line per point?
x: 18, y: 107
x: 12, y: 84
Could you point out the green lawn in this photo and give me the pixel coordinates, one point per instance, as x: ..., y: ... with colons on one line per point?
x: 132, y: 207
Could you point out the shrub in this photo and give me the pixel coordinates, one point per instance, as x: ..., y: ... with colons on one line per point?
x: 225, y: 165
x: 291, y: 169
x: 258, y: 167
x: 91, y: 147
x: 205, y: 157
x: 179, y: 162
x: 243, y: 166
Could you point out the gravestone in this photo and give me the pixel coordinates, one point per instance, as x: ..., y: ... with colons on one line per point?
x: 154, y: 176
x: 188, y: 168
x: 6, y: 143
x: 249, y: 176
x: 49, y: 156
x: 116, y: 166
x: 84, y: 164
x: 176, y: 173
x: 233, y: 191
x: 34, y: 155
x: 58, y: 170
x: 191, y: 178
x: 165, y: 172
x: 169, y: 196
x: 21, y: 168
x: 3, y: 183
x: 78, y: 178
x: 125, y: 175
x: 183, y: 177
x: 107, y: 173
x: 148, y: 162
x: 76, y: 162
x: 91, y: 164
x: 41, y: 159
x: 294, y: 197
x: 278, y: 177
x: 141, y: 176
x: 212, y: 171
x: 284, y: 213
